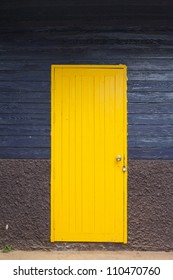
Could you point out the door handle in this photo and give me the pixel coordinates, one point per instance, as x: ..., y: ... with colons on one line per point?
x: 118, y: 158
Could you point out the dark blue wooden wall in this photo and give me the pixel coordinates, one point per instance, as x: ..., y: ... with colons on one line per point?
x: 34, y: 37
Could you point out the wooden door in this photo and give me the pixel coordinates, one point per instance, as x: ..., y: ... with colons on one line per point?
x: 88, y: 154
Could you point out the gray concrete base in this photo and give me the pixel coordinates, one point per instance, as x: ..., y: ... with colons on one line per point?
x: 86, y: 255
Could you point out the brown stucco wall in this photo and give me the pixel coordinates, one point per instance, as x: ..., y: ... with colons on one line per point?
x: 25, y: 206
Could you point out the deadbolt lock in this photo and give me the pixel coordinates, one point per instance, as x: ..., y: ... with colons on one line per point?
x: 124, y: 169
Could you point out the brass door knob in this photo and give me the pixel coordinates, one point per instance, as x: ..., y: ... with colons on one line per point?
x: 118, y: 158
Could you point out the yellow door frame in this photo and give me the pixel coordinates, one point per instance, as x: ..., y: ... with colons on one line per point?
x: 53, y: 141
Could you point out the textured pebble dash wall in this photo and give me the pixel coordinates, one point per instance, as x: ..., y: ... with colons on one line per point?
x: 151, y: 204
x: 25, y: 206
x: 24, y: 202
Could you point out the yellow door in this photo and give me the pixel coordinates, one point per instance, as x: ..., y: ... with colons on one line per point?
x: 88, y: 154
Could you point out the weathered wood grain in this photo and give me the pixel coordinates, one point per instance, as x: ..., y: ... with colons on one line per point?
x: 74, y: 52
x: 150, y: 119
x: 96, y: 11
x: 25, y: 119
x: 25, y: 141
x: 55, y: 3
x: 150, y: 97
x: 24, y: 97
x: 150, y: 130
x: 145, y: 86
x: 151, y: 153
x: 25, y: 129
x: 35, y: 36
x: 24, y: 153
x: 155, y: 75
x: 156, y: 141
x: 152, y: 25
x: 23, y: 108
x: 26, y: 75
x: 26, y: 86
x: 150, y: 136
x: 32, y: 65
x: 150, y: 108
x: 114, y: 39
